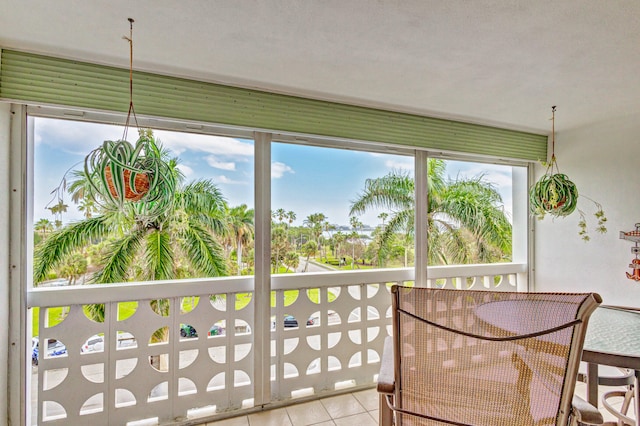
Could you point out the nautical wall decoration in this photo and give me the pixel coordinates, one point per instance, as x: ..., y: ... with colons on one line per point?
x: 635, y: 263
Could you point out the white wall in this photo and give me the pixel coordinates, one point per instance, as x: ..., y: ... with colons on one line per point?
x: 603, y: 160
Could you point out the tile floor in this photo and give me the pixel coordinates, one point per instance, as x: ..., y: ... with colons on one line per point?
x: 353, y: 409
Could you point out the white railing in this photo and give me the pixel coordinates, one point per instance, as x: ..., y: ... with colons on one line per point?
x: 342, y: 318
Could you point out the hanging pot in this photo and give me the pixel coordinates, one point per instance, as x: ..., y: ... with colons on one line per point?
x: 554, y: 194
x: 135, y: 185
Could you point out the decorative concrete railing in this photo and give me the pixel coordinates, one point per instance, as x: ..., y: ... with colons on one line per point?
x: 173, y: 351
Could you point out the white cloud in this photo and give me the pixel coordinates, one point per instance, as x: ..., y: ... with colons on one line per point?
x: 186, y: 170
x: 400, y: 164
x: 279, y: 169
x: 222, y: 165
x: 224, y: 179
x: 76, y: 137
x: 218, y: 145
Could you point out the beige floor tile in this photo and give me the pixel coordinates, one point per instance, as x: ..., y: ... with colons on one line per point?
x: 278, y: 417
x: 328, y: 423
x: 362, y: 419
x: 375, y: 414
x: 234, y: 421
x: 368, y: 398
x: 309, y: 413
x: 342, y: 406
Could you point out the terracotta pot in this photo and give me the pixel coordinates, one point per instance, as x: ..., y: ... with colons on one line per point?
x: 141, y: 185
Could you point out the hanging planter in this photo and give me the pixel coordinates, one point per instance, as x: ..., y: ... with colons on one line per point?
x: 121, y: 173
x: 121, y: 170
x: 131, y: 177
x: 555, y: 194
x: 136, y: 184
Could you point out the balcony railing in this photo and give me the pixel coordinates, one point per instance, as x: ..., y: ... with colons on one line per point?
x: 178, y: 350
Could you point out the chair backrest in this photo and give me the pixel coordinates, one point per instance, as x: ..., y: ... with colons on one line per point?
x: 486, y: 358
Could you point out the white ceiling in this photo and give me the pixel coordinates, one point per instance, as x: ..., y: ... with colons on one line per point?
x: 501, y: 62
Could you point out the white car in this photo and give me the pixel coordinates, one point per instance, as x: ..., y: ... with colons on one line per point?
x: 54, y: 348
x: 95, y: 343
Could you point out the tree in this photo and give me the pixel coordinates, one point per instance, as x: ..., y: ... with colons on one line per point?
x: 354, y: 236
x: 280, y: 214
x: 43, y: 226
x: 466, y: 219
x: 73, y: 268
x: 240, y: 227
x: 291, y: 216
x: 279, y: 246
x: 292, y: 260
x: 189, y: 226
x: 310, y: 248
x: 314, y: 222
x: 57, y: 210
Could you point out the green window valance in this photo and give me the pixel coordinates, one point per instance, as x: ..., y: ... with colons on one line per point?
x: 30, y: 78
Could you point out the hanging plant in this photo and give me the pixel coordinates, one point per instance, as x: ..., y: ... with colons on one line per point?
x: 122, y: 173
x: 555, y: 194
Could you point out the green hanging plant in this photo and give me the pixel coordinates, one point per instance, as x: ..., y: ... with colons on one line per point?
x: 132, y: 177
x: 121, y: 173
x: 555, y: 194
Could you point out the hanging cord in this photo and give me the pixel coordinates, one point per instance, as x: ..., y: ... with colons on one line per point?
x: 553, y: 163
x: 131, y: 109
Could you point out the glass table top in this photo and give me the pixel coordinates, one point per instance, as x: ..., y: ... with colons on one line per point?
x: 614, y: 330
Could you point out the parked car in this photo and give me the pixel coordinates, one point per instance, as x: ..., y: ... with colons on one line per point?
x: 187, y: 331
x: 216, y: 330
x: 54, y: 348
x: 95, y: 343
x: 291, y: 321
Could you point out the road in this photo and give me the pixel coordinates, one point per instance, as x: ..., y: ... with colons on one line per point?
x: 313, y: 266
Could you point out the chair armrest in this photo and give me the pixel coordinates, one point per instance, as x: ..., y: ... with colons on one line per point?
x: 585, y: 412
x: 386, y: 382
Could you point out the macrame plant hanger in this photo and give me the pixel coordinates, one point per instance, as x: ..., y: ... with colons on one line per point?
x: 132, y: 111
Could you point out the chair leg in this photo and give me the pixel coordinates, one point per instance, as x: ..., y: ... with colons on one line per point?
x: 385, y: 413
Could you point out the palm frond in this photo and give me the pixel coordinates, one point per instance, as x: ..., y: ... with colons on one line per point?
x: 395, y: 191
x: 203, y: 251
x: 158, y: 256
x: 118, y: 258
x: 59, y: 244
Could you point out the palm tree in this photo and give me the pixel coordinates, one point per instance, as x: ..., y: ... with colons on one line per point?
x: 240, y: 226
x: 292, y: 260
x: 354, y: 236
x: 310, y: 248
x: 280, y: 214
x: 314, y: 222
x: 291, y: 216
x: 57, y: 210
x: 466, y: 220
x: 43, y: 226
x: 188, y: 227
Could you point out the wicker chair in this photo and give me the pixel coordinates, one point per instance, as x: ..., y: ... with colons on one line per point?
x: 484, y: 358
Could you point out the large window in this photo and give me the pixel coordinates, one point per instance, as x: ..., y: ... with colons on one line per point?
x: 327, y: 214
x: 470, y: 213
x: 84, y: 234
x: 332, y: 209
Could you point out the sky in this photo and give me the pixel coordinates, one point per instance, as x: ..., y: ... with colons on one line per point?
x: 305, y: 179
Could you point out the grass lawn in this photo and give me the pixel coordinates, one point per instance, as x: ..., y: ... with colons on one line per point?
x: 126, y: 309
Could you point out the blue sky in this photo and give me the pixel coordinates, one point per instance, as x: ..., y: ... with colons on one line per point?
x: 305, y: 179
